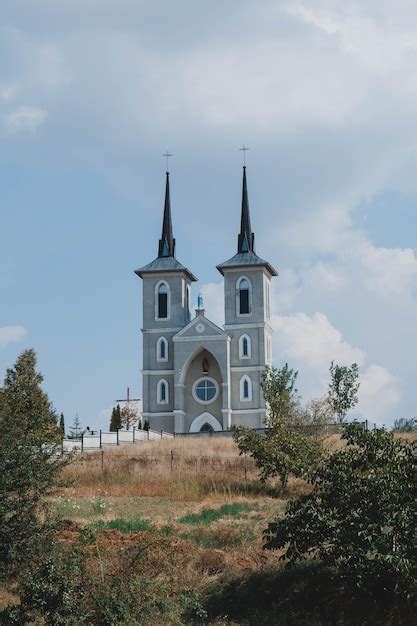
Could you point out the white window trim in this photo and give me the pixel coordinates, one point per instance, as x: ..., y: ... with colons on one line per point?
x: 202, y: 419
x: 194, y: 390
x: 162, y: 319
x: 241, y: 389
x: 249, y: 354
x: 238, y: 313
x: 158, y: 350
x: 158, y: 392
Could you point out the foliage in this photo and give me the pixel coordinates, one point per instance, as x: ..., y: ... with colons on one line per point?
x: 343, y: 388
x: 95, y: 583
x: 285, y: 448
x: 75, y: 430
x: 30, y: 462
x: 281, y: 452
x: 146, y: 425
x: 360, y: 516
x: 319, y: 412
x: 278, y: 386
x: 116, y: 419
x: 208, y: 516
x: 123, y: 525
x: 62, y: 424
x: 404, y: 424
x: 129, y: 416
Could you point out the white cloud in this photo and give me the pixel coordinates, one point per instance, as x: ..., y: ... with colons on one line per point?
x: 10, y: 334
x: 25, y: 119
x: 311, y: 342
x: 379, y: 394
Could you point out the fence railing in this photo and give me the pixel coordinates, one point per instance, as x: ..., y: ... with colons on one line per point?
x: 311, y: 429
x: 109, y: 439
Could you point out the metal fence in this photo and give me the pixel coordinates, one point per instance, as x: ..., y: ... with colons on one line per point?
x: 103, y: 439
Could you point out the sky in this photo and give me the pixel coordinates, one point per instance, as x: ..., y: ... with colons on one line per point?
x: 93, y: 92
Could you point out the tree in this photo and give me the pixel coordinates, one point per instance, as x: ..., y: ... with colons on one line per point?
x: 285, y: 448
x: 146, y: 425
x: 404, y: 424
x: 360, y: 516
x: 75, y: 430
x: 278, y: 386
x: 30, y: 463
x: 62, y: 424
x: 116, y: 419
x: 343, y: 388
x: 129, y: 416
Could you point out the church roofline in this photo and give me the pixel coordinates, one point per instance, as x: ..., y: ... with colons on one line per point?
x: 163, y: 265
x: 245, y: 260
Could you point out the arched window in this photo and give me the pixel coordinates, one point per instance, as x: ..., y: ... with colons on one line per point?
x: 187, y: 303
x: 243, y: 296
x: 162, y: 349
x: 162, y: 301
x: 162, y: 392
x: 244, y: 347
x: 245, y: 389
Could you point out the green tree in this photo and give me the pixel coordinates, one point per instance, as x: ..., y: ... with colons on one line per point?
x: 30, y: 463
x: 285, y: 448
x: 116, y: 419
x: 62, y: 424
x: 146, y: 425
x: 360, y: 516
x: 343, y: 388
x: 75, y: 430
x: 278, y: 386
x: 404, y: 424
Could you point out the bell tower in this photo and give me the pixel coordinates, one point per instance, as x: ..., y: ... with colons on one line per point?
x: 166, y: 310
x: 247, y: 280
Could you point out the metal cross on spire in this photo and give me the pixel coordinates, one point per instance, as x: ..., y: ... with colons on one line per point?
x: 167, y: 155
x: 244, y: 149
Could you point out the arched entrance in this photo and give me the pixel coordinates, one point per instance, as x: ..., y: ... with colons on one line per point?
x: 203, y: 422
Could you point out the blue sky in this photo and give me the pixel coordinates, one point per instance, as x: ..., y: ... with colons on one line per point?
x: 93, y: 92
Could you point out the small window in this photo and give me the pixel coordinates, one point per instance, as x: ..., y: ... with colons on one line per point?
x: 162, y: 349
x: 244, y: 307
x: 162, y: 392
x: 244, y: 347
x: 205, y: 390
x: 245, y: 388
x: 162, y: 301
x: 207, y: 428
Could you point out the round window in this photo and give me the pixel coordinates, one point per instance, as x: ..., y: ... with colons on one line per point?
x: 205, y: 390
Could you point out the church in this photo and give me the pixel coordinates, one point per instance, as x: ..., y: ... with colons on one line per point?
x: 196, y: 375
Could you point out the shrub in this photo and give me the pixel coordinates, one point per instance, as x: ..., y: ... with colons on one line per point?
x: 208, y: 516
x: 360, y: 516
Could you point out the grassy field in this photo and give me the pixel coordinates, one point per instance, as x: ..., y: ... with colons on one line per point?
x: 184, y: 519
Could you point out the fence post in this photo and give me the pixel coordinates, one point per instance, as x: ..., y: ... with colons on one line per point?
x: 366, y: 425
x: 62, y: 446
x: 133, y: 434
x: 117, y: 437
x: 245, y: 468
x: 161, y: 433
x: 172, y: 461
x: 82, y: 442
x: 100, y: 438
x: 148, y: 433
x: 102, y: 460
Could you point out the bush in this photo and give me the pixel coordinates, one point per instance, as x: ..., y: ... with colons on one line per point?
x: 360, y: 516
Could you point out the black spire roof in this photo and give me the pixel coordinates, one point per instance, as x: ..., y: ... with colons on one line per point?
x: 167, y: 242
x: 165, y: 261
x: 246, y: 255
x: 246, y: 238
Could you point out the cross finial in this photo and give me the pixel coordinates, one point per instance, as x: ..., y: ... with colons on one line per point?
x: 167, y: 155
x: 243, y: 149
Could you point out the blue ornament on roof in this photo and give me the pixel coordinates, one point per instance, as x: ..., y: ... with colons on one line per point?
x: 200, y: 301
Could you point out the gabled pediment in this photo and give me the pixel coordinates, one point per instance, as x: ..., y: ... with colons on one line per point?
x: 199, y: 328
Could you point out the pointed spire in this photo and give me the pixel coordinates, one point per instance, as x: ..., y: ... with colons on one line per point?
x: 246, y: 239
x: 167, y: 241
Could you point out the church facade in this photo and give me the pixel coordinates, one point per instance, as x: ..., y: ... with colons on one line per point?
x: 196, y: 375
